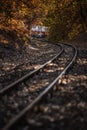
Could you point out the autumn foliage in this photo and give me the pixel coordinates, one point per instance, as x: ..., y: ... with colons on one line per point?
x: 66, y: 18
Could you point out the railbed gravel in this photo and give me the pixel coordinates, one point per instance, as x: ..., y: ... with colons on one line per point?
x: 22, y: 94
x: 13, y: 65
x: 67, y: 109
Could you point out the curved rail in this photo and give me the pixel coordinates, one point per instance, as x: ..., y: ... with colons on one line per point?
x: 2, y: 91
x: 50, y: 87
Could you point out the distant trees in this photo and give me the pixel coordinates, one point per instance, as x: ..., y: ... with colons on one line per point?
x: 66, y: 18
x: 18, y: 15
x: 27, y: 8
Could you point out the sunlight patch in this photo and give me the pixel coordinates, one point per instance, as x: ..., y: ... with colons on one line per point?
x: 32, y: 48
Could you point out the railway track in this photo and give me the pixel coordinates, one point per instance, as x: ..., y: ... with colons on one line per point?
x: 10, y: 72
x: 31, y: 88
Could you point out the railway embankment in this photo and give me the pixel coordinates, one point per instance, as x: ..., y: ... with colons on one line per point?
x: 67, y: 109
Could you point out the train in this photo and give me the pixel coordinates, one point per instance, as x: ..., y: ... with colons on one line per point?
x: 39, y: 31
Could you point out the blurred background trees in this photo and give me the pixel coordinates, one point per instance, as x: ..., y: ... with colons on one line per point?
x: 66, y: 18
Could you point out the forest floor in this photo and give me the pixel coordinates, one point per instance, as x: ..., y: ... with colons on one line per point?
x: 68, y: 109
x: 80, y: 41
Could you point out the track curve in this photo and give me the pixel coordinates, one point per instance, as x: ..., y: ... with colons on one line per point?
x: 51, y: 73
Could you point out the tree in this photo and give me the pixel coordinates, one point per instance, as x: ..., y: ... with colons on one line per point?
x: 67, y: 19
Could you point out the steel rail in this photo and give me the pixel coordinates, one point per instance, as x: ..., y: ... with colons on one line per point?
x: 16, y: 67
x: 38, y: 99
x: 2, y: 91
